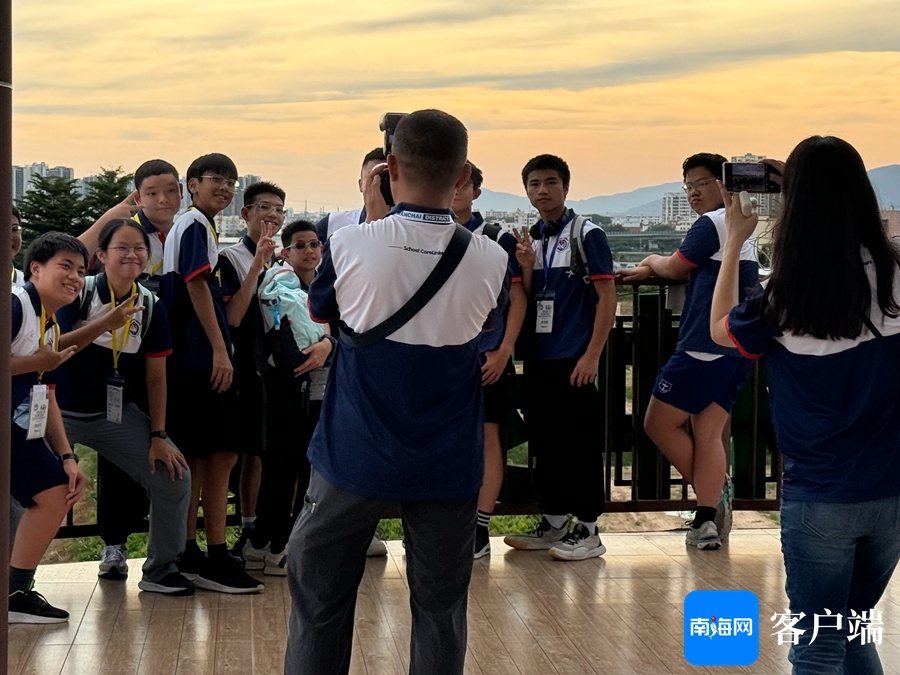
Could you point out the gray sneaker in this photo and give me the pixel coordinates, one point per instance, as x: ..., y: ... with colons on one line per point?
x: 376, y: 548
x: 705, y: 537
x: 113, y: 563
x: 579, y: 544
x: 725, y: 510
x: 541, y: 538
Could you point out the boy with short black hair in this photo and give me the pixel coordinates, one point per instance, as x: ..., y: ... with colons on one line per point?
x: 44, y: 473
x: 338, y: 219
x: 242, y: 266
x: 202, y: 403
x: 572, y: 320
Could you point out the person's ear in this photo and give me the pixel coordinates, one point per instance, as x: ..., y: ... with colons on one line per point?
x: 476, y: 193
x: 392, y: 167
x: 464, y: 175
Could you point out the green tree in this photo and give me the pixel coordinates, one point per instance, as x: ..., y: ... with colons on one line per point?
x: 104, y: 191
x: 52, y: 203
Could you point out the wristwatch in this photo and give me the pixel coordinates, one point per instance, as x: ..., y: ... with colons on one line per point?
x: 69, y: 455
x: 159, y: 433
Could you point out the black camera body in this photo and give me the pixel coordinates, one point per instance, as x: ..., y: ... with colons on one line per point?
x: 388, y: 124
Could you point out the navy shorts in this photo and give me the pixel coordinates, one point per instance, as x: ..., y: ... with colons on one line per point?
x: 34, y: 467
x: 201, y: 421
x: 692, y: 385
x: 498, y: 396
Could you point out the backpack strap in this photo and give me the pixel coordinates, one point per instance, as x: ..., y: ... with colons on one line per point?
x: 493, y: 230
x: 87, y: 297
x: 148, y: 300
x: 578, y: 265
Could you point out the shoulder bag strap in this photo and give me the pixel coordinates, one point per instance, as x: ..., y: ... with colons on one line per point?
x: 451, y: 257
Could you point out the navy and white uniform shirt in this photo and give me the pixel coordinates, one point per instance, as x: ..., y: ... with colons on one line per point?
x: 192, y: 250
x: 491, y: 339
x: 234, y: 265
x: 403, y: 419
x: 27, y: 338
x: 702, y: 251
x: 153, y: 272
x: 17, y: 278
x: 835, y: 403
x: 81, y: 380
x: 574, y: 302
x: 336, y: 220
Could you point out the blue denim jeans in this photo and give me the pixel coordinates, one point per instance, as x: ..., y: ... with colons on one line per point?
x: 838, y: 557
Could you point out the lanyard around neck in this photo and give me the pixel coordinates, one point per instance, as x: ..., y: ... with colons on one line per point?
x: 55, y: 343
x: 116, y: 348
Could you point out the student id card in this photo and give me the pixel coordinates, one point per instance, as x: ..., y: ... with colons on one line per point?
x: 38, y: 412
x: 545, y: 301
x: 115, y: 399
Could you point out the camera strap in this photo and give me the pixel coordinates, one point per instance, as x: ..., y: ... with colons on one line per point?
x: 450, y: 259
x: 894, y: 354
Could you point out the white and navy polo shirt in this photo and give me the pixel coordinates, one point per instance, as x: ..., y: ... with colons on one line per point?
x: 574, y: 302
x: 81, y: 380
x: 234, y: 266
x: 191, y: 251
x: 153, y: 272
x: 835, y: 403
x: 26, y: 337
x: 702, y: 251
x: 336, y: 220
x: 402, y: 419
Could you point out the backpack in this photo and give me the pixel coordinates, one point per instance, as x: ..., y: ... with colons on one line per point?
x: 148, y: 300
x: 287, y: 325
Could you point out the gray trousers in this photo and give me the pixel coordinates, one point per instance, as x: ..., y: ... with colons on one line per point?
x: 326, y: 560
x: 127, y: 445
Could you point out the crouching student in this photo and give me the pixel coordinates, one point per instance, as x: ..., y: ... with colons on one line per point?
x: 298, y: 353
x: 44, y: 474
x: 122, y: 338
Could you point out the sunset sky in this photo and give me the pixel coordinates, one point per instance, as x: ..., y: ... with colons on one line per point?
x: 292, y: 90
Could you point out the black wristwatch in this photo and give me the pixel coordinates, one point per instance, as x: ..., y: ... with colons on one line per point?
x: 159, y: 433
x: 69, y: 455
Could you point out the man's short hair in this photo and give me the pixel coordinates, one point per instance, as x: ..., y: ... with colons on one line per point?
x: 48, y: 245
x: 261, y: 188
x: 292, y: 228
x: 17, y: 215
x: 477, y: 176
x: 374, y: 155
x: 705, y: 160
x: 216, y: 163
x: 547, y: 163
x: 153, y: 167
x: 430, y: 147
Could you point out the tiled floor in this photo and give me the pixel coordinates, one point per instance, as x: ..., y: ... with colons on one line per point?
x: 528, y: 614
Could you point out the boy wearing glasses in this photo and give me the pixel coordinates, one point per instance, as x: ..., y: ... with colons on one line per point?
x: 202, y: 398
x: 292, y: 393
x: 242, y: 267
x: 692, y: 398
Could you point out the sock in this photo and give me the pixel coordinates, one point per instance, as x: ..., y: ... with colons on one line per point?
x: 217, y: 551
x: 484, y: 518
x: 20, y: 580
x: 591, y: 527
x: 190, y: 545
x: 703, y: 514
x: 556, y: 522
x: 248, y: 523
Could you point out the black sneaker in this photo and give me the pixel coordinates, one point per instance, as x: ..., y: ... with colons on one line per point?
x: 482, y: 542
x: 224, y: 575
x: 171, y: 584
x: 32, y: 607
x: 238, y: 549
x: 191, y: 562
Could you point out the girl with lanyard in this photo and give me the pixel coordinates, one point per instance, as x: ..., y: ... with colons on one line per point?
x: 829, y: 323
x: 113, y: 392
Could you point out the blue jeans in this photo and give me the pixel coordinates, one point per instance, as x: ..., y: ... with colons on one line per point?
x: 838, y: 557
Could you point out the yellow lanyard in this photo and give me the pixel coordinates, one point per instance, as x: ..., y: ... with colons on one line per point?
x: 125, y: 329
x: 55, y: 344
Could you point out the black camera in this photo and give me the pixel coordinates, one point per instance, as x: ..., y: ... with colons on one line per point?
x: 388, y: 124
x: 750, y: 177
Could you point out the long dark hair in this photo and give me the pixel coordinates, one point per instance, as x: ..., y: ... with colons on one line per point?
x: 818, y: 285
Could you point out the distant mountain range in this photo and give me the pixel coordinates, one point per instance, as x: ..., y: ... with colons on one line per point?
x: 647, y: 201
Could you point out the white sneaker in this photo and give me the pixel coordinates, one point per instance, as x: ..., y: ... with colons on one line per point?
x: 541, y: 538
x: 276, y: 564
x: 113, y: 563
x: 376, y: 548
x: 705, y: 537
x: 254, y: 558
x: 579, y: 544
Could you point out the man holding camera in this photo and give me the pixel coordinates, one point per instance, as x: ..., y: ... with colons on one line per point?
x: 392, y: 428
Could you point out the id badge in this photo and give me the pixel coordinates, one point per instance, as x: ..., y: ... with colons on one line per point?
x: 115, y: 388
x: 545, y: 312
x: 38, y: 411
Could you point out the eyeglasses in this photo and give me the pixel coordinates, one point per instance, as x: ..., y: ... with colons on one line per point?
x: 302, y: 245
x: 699, y: 185
x: 265, y: 207
x: 227, y: 183
x: 122, y: 251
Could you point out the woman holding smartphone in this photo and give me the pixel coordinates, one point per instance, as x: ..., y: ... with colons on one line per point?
x: 827, y: 320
